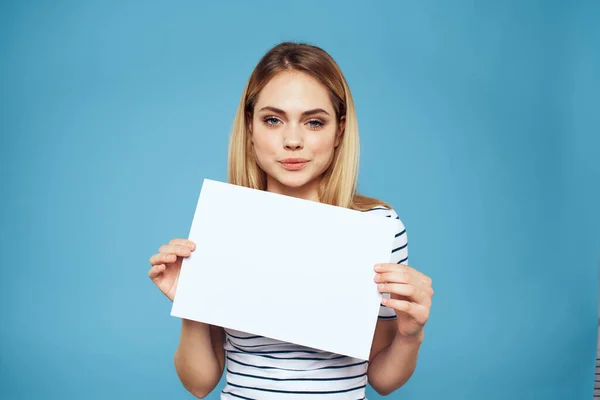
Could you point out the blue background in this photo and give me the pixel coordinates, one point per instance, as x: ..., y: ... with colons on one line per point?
x: 479, y: 123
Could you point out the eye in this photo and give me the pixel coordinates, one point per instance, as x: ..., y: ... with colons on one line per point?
x: 271, y: 121
x: 315, y: 124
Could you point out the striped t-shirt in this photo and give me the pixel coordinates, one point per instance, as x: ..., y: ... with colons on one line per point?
x: 262, y: 368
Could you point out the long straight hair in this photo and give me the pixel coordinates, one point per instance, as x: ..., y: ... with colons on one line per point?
x: 338, y: 185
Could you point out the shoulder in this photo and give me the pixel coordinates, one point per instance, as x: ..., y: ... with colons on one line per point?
x: 400, y: 244
x: 389, y: 212
x: 385, y: 212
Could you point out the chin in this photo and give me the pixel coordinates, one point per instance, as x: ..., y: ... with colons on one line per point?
x: 293, y: 179
x: 293, y: 182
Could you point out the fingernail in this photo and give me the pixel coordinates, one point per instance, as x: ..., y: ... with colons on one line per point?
x: 380, y: 286
x: 377, y: 277
x: 377, y: 267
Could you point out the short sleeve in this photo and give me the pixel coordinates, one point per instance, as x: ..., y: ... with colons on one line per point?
x: 399, y: 255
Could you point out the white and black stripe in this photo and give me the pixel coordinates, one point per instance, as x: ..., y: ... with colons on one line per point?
x: 262, y: 368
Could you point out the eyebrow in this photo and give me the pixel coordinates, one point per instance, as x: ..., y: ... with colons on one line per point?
x: 304, y: 114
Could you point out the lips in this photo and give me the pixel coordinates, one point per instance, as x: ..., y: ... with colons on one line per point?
x: 293, y: 164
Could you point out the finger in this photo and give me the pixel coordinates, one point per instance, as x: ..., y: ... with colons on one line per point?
x: 406, y: 276
x: 396, y: 276
x: 419, y: 291
x: 163, y: 258
x: 406, y: 292
x: 178, y: 249
x: 411, y: 293
x: 401, y: 267
x: 418, y: 312
x: 156, y: 270
x: 184, y: 242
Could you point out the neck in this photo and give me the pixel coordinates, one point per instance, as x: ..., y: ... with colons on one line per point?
x: 310, y: 191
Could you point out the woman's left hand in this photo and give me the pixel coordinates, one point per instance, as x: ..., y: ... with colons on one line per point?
x: 410, y: 293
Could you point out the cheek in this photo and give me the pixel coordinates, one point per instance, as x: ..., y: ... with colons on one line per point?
x: 264, y: 143
x: 323, y: 145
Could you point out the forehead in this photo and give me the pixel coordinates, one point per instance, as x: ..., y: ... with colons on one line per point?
x: 294, y: 91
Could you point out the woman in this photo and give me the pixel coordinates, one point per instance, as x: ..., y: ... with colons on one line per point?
x: 296, y: 134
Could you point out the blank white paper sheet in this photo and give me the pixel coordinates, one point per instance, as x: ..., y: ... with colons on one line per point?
x: 285, y: 268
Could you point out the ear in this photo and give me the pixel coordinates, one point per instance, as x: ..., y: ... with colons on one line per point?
x: 340, y: 132
x: 250, y: 136
x: 249, y: 122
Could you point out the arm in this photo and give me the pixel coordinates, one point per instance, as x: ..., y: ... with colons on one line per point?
x: 200, y: 357
x: 405, y: 309
x: 393, y: 357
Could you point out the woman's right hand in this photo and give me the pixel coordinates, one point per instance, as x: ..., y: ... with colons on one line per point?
x: 166, y: 265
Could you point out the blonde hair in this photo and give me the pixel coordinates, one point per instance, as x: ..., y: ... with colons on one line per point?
x: 339, y: 183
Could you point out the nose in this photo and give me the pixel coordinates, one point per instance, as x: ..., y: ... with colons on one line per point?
x: 293, y: 139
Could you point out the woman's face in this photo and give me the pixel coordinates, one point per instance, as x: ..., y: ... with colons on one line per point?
x: 294, y: 133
